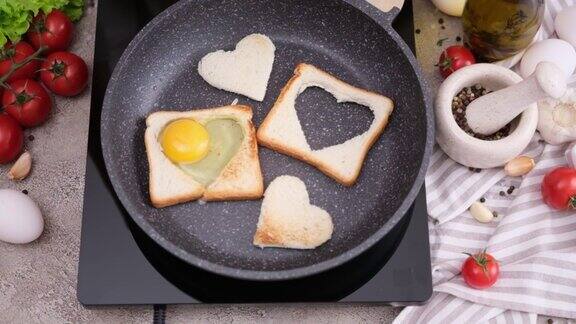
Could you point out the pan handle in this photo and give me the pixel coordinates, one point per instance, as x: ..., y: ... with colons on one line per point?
x: 390, y: 8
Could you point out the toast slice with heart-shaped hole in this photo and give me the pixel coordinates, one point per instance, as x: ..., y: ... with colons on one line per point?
x: 288, y: 220
x: 282, y: 131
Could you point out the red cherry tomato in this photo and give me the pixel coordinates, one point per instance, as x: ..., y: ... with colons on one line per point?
x: 53, y: 31
x: 454, y: 58
x: 11, y: 138
x: 13, y: 54
x: 27, y: 102
x: 480, y: 270
x: 64, y: 73
x: 559, y: 188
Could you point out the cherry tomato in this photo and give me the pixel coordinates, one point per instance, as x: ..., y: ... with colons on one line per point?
x: 64, y: 73
x: 27, y: 102
x: 480, y: 270
x: 454, y: 58
x: 13, y: 54
x: 559, y: 188
x: 11, y: 138
x: 53, y: 31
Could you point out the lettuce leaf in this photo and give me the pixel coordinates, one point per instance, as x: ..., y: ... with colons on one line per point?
x: 14, y: 20
x: 16, y: 15
x: 74, y: 9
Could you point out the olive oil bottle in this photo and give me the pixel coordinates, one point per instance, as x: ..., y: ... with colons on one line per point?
x: 498, y: 29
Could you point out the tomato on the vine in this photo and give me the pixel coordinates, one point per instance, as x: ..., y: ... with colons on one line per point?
x: 559, y: 188
x: 27, y: 102
x: 480, y: 270
x: 15, y: 54
x: 64, y: 73
x: 11, y: 138
x: 454, y: 58
x: 53, y: 31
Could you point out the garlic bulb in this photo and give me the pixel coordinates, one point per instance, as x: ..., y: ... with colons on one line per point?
x: 557, y: 118
x: 450, y: 7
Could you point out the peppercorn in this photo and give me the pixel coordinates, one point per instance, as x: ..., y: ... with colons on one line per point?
x: 459, y: 104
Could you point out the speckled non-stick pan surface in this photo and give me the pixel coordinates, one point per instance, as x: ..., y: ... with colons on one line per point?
x: 350, y: 39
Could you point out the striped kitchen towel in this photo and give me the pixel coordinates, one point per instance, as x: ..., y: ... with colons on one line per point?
x: 535, y: 245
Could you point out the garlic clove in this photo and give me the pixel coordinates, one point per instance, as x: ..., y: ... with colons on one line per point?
x: 571, y: 155
x: 519, y: 166
x: 481, y: 213
x: 450, y: 7
x: 21, y: 168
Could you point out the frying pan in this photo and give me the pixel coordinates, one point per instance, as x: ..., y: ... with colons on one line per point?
x: 350, y: 39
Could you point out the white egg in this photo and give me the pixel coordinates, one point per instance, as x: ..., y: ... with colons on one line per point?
x: 565, y: 25
x: 20, y: 218
x: 450, y: 7
x: 552, y: 50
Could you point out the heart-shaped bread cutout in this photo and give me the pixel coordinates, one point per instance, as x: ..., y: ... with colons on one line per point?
x: 245, y: 70
x: 287, y: 219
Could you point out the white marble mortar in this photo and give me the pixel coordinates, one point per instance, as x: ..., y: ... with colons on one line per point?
x: 468, y: 150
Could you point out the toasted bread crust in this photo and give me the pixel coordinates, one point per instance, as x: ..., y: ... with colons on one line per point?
x: 299, y: 153
x: 280, y: 147
x: 175, y: 200
x: 246, y: 159
x: 267, y: 235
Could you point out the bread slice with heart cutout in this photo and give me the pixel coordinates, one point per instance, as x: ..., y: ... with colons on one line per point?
x: 288, y: 220
x: 245, y: 70
x: 282, y: 131
x: 239, y: 179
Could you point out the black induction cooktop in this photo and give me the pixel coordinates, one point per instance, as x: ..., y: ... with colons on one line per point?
x: 119, y: 264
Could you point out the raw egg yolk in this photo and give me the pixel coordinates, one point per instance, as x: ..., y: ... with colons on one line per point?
x: 185, y: 141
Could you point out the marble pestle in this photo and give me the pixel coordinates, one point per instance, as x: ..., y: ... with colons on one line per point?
x: 489, y: 113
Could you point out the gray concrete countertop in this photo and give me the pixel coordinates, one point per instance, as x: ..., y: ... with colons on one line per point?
x: 428, y: 32
x: 38, y: 280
